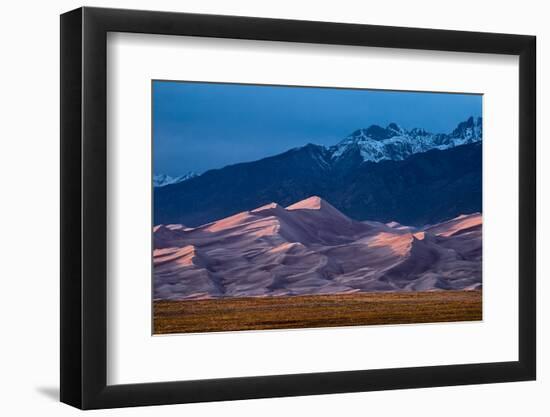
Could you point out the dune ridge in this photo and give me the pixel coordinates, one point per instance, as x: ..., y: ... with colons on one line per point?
x: 310, y: 248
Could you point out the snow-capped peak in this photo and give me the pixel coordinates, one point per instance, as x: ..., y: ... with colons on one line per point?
x: 161, y: 180
x: 470, y: 129
x: 377, y: 143
x: 395, y: 128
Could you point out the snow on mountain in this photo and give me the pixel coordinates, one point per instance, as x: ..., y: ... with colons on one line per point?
x: 161, y: 180
x: 377, y: 143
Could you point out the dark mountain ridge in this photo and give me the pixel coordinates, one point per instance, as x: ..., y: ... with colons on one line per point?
x: 423, y: 188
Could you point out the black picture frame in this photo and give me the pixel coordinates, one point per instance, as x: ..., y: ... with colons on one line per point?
x: 84, y: 207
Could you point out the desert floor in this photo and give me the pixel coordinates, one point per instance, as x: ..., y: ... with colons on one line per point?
x: 255, y: 313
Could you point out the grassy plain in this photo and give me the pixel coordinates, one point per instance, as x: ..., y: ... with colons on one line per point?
x: 254, y: 313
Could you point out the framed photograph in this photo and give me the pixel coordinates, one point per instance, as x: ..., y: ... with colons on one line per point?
x: 258, y: 208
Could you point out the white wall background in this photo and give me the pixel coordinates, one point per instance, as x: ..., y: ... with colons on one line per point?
x: 29, y: 176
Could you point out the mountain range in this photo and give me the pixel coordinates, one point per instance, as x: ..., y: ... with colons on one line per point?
x: 395, y: 143
x: 310, y: 247
x: 378, y: 173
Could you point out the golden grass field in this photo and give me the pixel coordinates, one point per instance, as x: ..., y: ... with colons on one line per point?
x: 228, y: 314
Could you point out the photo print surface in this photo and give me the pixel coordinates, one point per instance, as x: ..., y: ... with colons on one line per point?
x: 279, y: 207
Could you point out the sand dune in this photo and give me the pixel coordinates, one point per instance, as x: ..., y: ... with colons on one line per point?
x: 312, y: 248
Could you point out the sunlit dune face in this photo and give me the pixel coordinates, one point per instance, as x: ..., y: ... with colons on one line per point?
x: 266, y: 207
x: 419, y: 235
x: 285, y: 247
x: 229, y: 222
x: 165, y: 251
x: 462, y: 223
x: 270, y: 229
x: 181, y: 256
x: 311, y: 203
x: 251, y: 226
x: 399, y: 244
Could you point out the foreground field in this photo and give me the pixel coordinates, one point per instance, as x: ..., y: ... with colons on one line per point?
x: 216, y: 315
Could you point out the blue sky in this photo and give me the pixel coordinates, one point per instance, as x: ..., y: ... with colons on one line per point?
x: 200, y: 126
